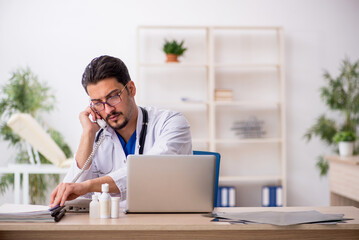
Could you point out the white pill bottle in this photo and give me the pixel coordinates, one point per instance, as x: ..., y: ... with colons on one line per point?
x: 115, y: 202
x: 105, y: 202
x: 94, y: 207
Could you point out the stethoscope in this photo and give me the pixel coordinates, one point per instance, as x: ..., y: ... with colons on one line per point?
x: 141, y: 141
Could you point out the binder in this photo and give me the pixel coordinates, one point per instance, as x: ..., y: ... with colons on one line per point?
x: 226, y: 196
x: 272, y: 196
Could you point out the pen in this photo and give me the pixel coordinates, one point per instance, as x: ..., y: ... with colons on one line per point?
x: 54, y: 207
x: 60, y: 215
x: 54, y: 212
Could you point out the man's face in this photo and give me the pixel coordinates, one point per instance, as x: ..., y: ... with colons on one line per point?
x: 119, y: 115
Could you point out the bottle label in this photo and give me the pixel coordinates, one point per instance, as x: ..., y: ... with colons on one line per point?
x: 105, y: 209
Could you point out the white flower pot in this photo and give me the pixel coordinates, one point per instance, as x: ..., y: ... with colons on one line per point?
x: 346, y: 149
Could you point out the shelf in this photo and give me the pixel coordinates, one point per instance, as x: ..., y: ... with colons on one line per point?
x: 243, y: 65
x: 249, y: 179
x: 172, y: 27
x: 251, y: 104
x: 211, y: 27
x: 188, y: 105
x: 249, y: 140
x: 250, y: 61
x: 204, y: 65
x: 239, y: 28
x: 174, y: 65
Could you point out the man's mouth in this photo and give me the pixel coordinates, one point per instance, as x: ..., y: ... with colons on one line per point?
x: 113, y: 117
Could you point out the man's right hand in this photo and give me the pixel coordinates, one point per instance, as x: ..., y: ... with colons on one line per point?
x: 88, y: 126
x: 90, y: 129
x: 67, y: 191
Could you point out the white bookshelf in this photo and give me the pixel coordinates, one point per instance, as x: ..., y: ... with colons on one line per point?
x: 247, y: 60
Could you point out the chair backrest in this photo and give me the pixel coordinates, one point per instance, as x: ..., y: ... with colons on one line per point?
x: 218, y: 160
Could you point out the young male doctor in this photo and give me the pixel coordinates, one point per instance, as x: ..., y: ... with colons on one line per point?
x: 107, y: 81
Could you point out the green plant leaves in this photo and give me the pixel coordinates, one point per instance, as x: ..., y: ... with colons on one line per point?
x: 24, y: 93
x: 324, y: 128
x: 173, y: 47
x: 344, y: 136
x: 322, y: 165
x: 340, y: 94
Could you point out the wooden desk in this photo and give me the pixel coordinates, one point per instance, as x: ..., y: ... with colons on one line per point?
x: 344, y: 180
x: 182, y: 226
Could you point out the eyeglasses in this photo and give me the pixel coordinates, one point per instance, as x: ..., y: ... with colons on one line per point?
x: 112, y: 101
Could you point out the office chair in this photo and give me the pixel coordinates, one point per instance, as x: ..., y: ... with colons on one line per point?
x: 218, y: 159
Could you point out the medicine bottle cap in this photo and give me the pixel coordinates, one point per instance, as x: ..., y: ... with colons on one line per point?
x: 94, y: 197
x: 105, y: 187
x: 115, y: 199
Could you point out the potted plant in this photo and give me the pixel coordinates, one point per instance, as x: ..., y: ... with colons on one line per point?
x: 341, y: 95
x: 24, y: 93
x: 173, y: 50
x: 345, y: 141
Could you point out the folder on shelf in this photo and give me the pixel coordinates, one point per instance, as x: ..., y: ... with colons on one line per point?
x: 272, y: 196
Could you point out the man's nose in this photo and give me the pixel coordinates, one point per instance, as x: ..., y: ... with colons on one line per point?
x: 109, y: 109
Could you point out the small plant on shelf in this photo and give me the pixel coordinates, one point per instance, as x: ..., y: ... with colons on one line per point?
x: 345, y: 141
x: 344, y: 136
x: 173, y: 50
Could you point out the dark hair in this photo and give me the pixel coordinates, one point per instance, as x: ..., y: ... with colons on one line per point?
x: 105, y: 67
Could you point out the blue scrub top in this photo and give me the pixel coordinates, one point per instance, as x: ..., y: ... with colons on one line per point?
x: 128, y: 148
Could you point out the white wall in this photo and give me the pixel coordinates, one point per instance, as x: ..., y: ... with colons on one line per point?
x: 57, y: 39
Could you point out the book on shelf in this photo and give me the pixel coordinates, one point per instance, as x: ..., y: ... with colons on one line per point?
x: 30, y: 213
x: 223, y: 95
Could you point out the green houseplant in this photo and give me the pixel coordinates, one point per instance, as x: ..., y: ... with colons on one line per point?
x: 344, y: 136
x: 345, y: 141
x: 173, y: 50
x: 341, y: 95
x: 24, y: 93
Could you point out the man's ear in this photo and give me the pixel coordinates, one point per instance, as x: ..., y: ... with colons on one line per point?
x: 132, y: 88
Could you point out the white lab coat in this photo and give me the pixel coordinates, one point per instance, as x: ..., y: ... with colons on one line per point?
x: 168, y: 132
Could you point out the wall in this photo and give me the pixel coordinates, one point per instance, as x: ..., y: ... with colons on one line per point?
x: 57, y: 39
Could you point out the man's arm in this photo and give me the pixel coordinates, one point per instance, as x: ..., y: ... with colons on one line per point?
x: 174, y: 136
x: 69, y: 191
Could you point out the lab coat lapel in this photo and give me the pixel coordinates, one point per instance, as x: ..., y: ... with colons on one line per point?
x: 138, y: 129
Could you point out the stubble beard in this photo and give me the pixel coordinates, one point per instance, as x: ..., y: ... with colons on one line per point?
x: 117, y: 125
x: 120, y: 125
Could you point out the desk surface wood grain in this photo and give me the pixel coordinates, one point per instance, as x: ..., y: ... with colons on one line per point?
x: 180, y: 226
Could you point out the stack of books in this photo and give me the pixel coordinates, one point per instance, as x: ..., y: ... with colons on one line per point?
x: 223, y: 95
x: 30, y: 213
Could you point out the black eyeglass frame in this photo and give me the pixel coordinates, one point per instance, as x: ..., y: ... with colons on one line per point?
x: 93, y: 105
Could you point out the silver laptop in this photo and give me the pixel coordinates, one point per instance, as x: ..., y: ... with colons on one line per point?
x: 170, y: 183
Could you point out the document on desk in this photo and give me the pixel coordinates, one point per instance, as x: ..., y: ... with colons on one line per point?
x: 279, y: 218
x: 30, y: 213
